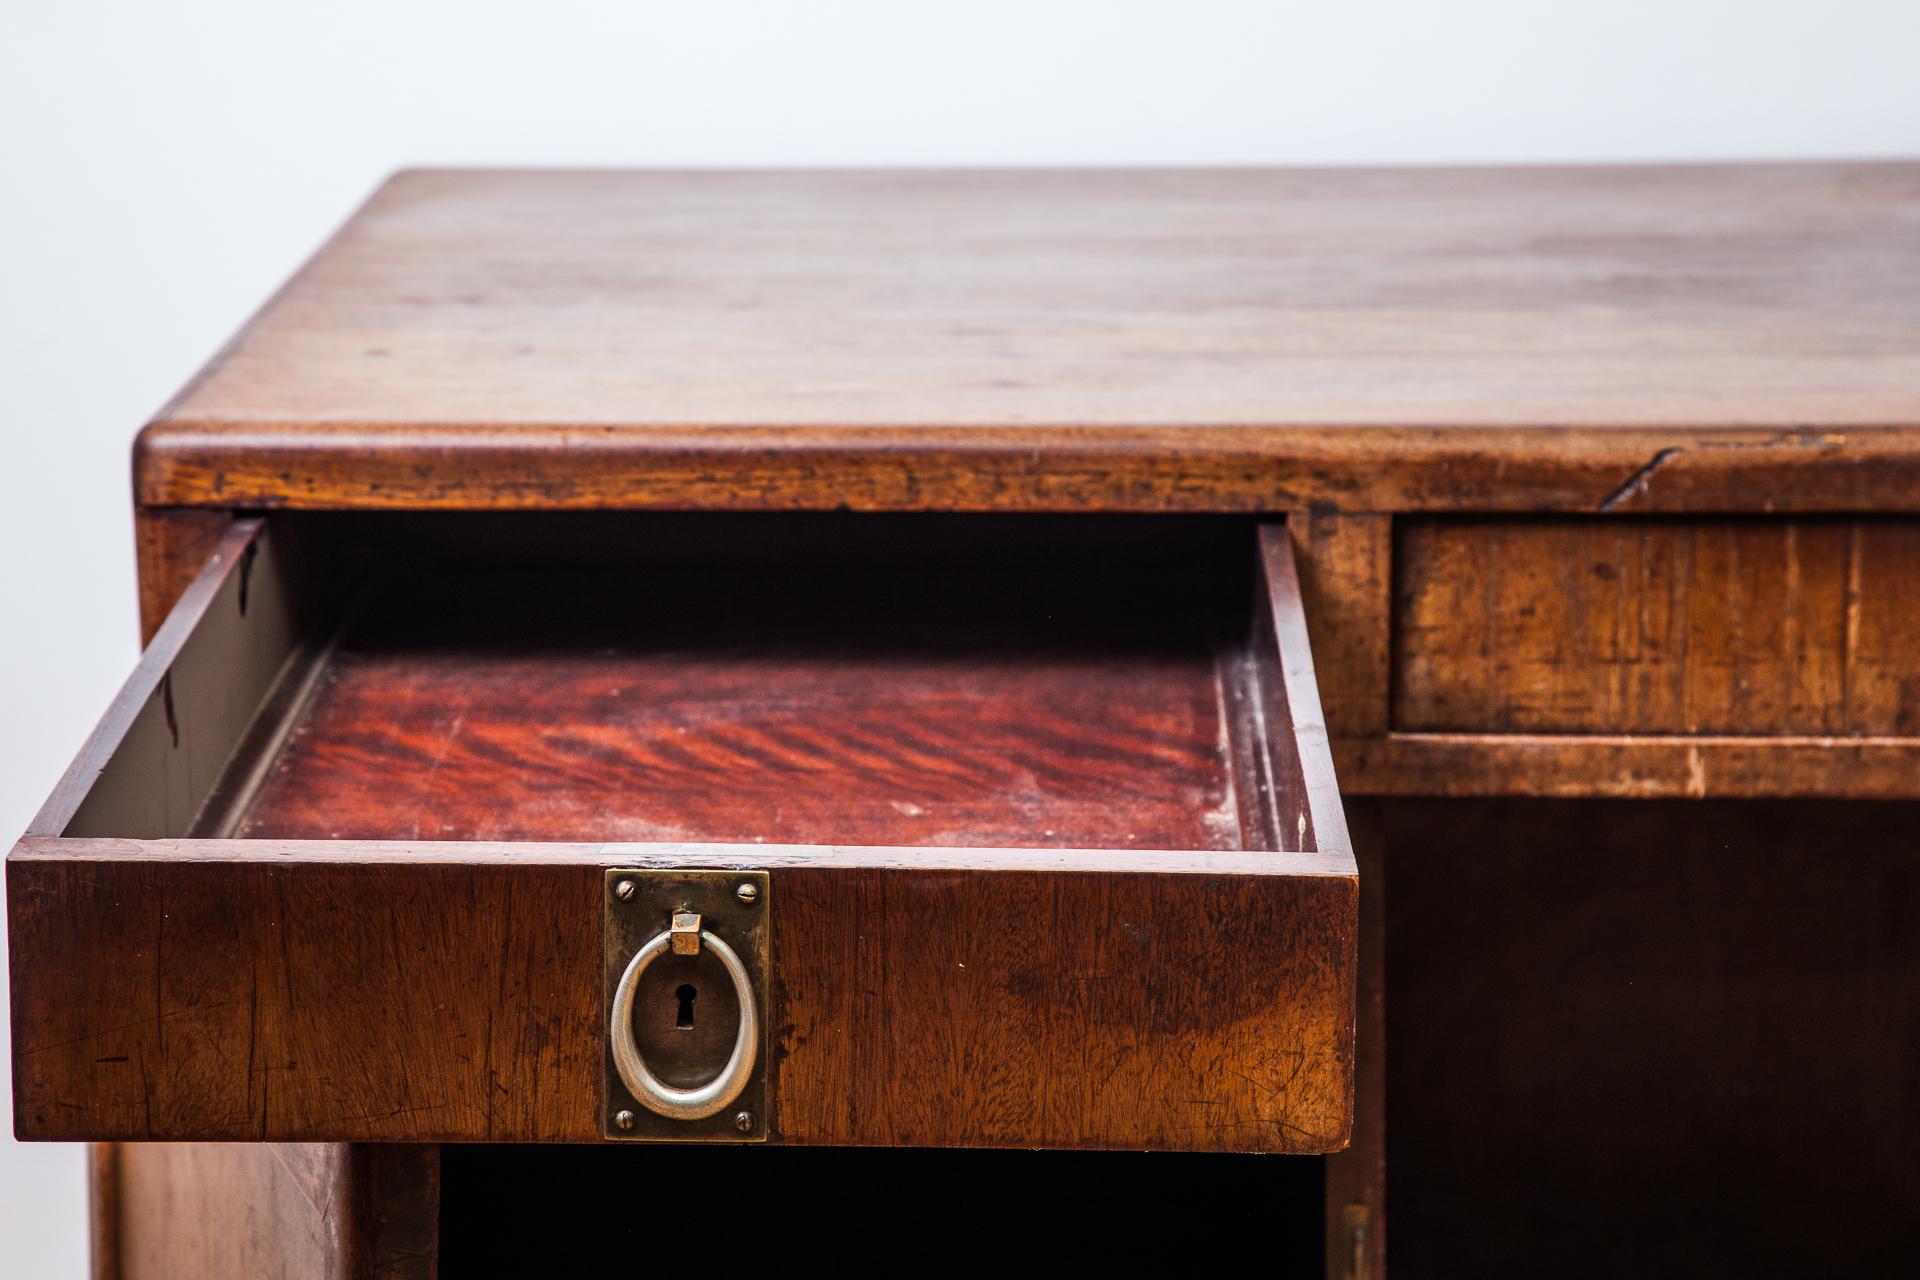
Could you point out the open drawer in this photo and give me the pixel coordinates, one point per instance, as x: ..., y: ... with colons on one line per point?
x: 986, y: 845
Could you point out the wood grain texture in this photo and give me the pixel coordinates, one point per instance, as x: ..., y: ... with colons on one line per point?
x: 1624, y: 767
x: 326, y: 1003
x: 296, y: 993
x: 1133, y: 1011
x: 1633, y: 338
x: 1029, y: 469
x: 1617, y: 342
x: 103, y: 1210
x: 172, y: 546
x: 939, y: 709
x: 1292, y: 726
x: 1346, y: 577
x: 299, y: 1211
x: 1356, y: 1179
x: 1665, y: 626
x: 200, y: 1209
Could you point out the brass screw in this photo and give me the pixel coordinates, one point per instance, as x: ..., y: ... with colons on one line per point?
x: 743, y: 1120
x: 749, y: 893
x: 625, y: 890
x: 623, y: 1120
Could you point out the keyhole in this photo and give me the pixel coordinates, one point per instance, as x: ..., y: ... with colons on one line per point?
x: 685, y: 995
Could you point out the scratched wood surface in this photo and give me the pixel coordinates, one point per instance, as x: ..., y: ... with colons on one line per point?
x: 870, y: 708
x: 199, y: 1209
x: 1611, y: 340
x: 1659, y: 626
x: 1568, y: 338
x: 319, y: 996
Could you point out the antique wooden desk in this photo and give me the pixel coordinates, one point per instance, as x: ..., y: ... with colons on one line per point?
x: 961, y: 592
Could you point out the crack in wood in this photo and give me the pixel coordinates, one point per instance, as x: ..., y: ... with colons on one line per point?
x: 1636, y: 484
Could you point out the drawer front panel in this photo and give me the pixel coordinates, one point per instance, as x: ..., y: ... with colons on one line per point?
x: 421, y: 995
x: 1730, y: 626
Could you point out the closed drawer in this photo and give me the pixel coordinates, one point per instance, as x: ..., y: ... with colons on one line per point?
x: 1008, y: 847
x: 1728, y: 626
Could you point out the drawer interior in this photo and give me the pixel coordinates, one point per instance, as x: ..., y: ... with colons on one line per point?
x: 960, y: 682
x: 1075, y: 708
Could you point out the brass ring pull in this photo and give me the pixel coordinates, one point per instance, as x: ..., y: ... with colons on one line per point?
x: 700, y: 1101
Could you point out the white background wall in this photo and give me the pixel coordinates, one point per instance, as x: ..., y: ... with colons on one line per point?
x: 164, y: 165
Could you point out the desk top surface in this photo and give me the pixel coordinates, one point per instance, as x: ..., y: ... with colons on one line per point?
x: 1597, y: 315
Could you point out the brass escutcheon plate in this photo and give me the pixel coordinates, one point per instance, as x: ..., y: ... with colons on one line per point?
x: 685, y: 1010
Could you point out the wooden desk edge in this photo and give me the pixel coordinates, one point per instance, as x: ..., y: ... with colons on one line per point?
x: 1059, y: 468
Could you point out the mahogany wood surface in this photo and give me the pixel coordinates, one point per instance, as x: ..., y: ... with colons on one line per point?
x: 1292, y: 727
x: 1623, y: 766
x: 961, y: 709
x: 1736, y: 337
x: 1346, y: 577
x: 306, y: 994
x: 170, y: 547
x: 1659, y: 626
x: 1355, y: 1199
x: 1595, y: 1006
